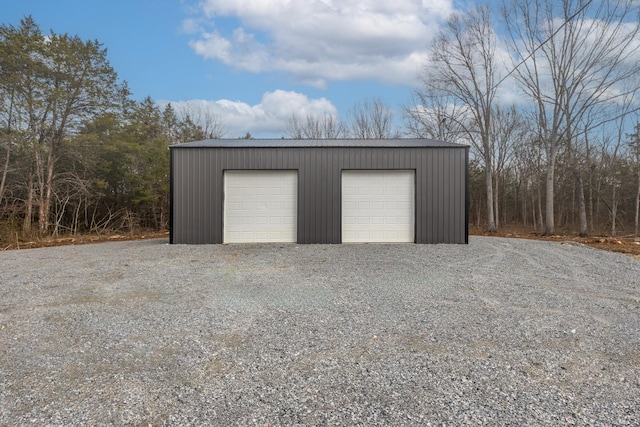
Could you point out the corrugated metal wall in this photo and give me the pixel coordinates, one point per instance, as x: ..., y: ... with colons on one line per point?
x: 197, y: 188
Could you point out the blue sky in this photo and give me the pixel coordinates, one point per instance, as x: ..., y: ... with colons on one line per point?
x: 254, y: 63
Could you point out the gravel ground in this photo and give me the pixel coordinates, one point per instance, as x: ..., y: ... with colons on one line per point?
x: 497, y: 332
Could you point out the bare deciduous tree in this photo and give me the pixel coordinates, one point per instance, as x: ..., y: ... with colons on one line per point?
x: 461, y: 75
x: 325, y: 127
x: 370, y: 119
x: 507, y: 131
x: 196, y: 122
x: 429, y: 116
x: 569, y: 56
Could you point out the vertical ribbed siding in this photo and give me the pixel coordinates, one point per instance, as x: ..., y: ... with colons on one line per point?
x: 197, y: 199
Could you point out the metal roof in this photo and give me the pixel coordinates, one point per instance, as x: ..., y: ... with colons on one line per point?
x: 292, y: 143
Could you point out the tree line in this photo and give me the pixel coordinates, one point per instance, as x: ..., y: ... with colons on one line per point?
x: 79, y: 155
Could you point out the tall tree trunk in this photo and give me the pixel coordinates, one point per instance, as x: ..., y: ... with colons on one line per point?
x: 598, y: 203
x: 614, y: 208
x: 533, y: 212
x: 26, y: 226
x: 41, y: 186
x: 45, y: 210
x: 591, y: 219
x: 635, y: 228
x: 524, y: 204
x: 5, y: 169
x: 491, y: 224
x: 496, y: 198
x: 549, y: 225
x: 540, y: 214
x: 582, y: 206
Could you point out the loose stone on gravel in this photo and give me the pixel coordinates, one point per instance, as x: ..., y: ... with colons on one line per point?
x: 497, y: 332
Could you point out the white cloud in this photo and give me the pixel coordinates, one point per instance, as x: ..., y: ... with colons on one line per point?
x: 266, y: 119
x: 190, y: 26
x: 320, y: 40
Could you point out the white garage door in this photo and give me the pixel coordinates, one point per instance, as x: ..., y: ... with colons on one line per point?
x: 378, y: 206
x: 260, y: 206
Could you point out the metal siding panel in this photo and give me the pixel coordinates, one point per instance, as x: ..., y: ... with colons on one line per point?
x: 308, y: 205
x: 426, y: 220
x: 333, y: 198
x: 218, y: 201
x: 425, y: 196
x: 188, y: 198
x: 426, y: 193
x: 213, y: 195
x: 419, y: 197
x: 458, y: 206
x: 441, y: 196
x: 194, y: 199
x: 175, y: 196
x: 201, y: 198
x: 187, y: 189
x: 436, y: 197
x: 449, y: 196
x: 312, y: 194
x: 311, y: 163
x: 339, y: 160
x: 306, y: 194
x: 317, y: 194
x: 295, y: 159
x: 207, y: 196
x: 327, y: 182
x: 324, y: 199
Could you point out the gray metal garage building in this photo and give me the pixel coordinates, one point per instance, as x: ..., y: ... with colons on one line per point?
x: 319, y: 191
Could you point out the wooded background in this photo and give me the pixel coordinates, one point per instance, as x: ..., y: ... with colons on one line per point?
x: 79, y: 155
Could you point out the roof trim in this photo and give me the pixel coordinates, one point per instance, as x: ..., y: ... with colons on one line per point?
x: 297, y: 143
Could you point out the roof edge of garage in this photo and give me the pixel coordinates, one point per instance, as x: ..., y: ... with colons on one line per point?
x: 292, y: 143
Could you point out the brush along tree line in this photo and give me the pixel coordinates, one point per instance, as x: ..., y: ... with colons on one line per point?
x: 78, y: 155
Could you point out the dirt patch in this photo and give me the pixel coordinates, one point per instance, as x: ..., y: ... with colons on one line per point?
x: 628, y: 245
x: 80, y: 240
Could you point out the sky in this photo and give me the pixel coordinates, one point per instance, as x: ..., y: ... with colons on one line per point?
x: 254, y: 63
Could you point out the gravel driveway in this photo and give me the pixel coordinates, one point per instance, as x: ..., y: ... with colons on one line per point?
x: 500, y: 331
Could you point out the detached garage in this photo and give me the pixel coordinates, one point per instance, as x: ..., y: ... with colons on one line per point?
x: 319, y: 191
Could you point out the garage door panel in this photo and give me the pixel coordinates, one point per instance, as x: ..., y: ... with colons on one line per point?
x: 260, y: 206
x: 378, y: 206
